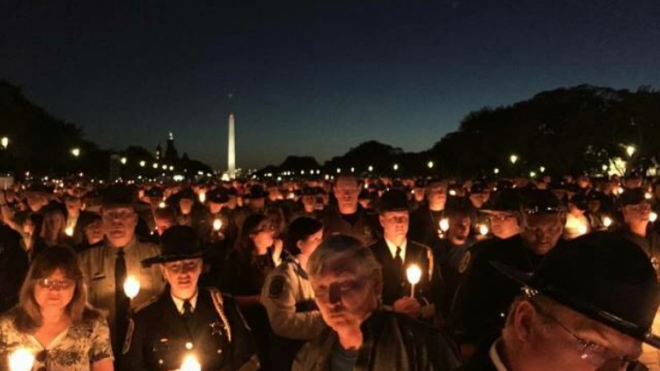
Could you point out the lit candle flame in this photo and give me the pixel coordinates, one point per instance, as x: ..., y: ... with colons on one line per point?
x: 653, y: 217
x: 190, y: 363
x: 217, y: 224
x: 414, y: 274
x: 131, y: 287
x: 444, y: 225
x: 21, y: 360
x: 162, y: 205
x: 68, y: 231
x: 483, y: 229
x: 582, y: 229
x: 202, y: 197
x: 607, y: 221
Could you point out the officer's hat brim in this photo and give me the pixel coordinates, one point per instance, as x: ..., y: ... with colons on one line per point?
x: 160, y: 259
x: 532, y: 287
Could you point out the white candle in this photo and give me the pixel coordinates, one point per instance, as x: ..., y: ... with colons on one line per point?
x: 21, y: 360
x: 69, y: 231
x: 217, y: 224
x: 131, y: 287
x: 414, y: 274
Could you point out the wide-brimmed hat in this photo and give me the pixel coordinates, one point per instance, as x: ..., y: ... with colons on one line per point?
x: 177, y: 243
x: 393, y: 200
x: 603, y: 276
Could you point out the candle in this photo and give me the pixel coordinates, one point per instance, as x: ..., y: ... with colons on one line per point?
x: 162, y: 205
x: 131, y: 287
x: 217, y: 224
x: 69, y: 231
x: 21, y: 360
x: 414, y: 274
x: 444, y: 224
x: 202, y: 197
x: 483, y: 229
x: 190, y: 363
x: 607, y: 221
x: 653, y: 217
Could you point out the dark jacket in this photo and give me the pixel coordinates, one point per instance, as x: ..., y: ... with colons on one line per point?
x: 424, y: 226
x: 13, y: 267
x: 364, y: 228
x: 392, y: 342
x: 158, y: 334
x: 483, y: 299
x: 395, y: 282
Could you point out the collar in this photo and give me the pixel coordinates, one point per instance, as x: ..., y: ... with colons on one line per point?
x: 179, y: 302
x: 495, y: 356
x: 392, y: 247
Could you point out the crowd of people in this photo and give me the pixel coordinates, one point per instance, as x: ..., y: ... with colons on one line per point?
x: 334, y: 274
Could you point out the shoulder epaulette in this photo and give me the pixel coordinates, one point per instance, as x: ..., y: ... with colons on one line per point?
x: 147, y: 303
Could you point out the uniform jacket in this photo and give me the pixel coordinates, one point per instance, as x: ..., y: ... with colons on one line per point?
x: 484, y: 297
x: 392, y: 342
x: 13, y: 267
x: 395, y: 283
x: 159, y: 338
x: 288, y: 298
x: 364, y: 228
x: 98, y: 266
x: 424, y: 226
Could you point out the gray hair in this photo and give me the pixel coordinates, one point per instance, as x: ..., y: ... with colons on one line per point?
x: 344, y: 248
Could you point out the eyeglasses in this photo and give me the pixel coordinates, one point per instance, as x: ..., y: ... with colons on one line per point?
x: 601, y: 357
x: 182, y: 266
x: 51, y: 284
x: 119, y: 214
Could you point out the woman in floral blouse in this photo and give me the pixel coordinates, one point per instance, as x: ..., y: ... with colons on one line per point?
x: 52, y: 321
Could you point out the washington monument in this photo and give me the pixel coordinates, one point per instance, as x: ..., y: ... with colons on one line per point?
x: 231, y: 149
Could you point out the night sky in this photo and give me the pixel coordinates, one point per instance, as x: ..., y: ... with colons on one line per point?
x: 311, y: 77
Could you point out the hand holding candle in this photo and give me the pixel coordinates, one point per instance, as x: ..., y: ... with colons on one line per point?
x: 21, y: 360
x: 131, y: 287
x: 414, y: 274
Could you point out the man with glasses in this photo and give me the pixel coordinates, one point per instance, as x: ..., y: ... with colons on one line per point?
x: 107, y: 267
x: 503, y: 213
x: 481, y: 302
x: 589, y: 307
x: 396, y: 253
x: 186, y: 321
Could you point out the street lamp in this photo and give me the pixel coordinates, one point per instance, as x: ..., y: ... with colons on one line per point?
x: 371, y: 168
x: 143, y: 163
x: 496, y: 171
x: 75, y: 152
x: 430, y: 164
x: 513, y: 159
x: 123, y: 160
x: 395, y: 167
x: 630, y: 150
x: 5, y: 142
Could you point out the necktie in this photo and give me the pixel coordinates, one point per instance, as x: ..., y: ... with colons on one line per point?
x: 187, y: 310
x: 122, y: 302
x: 398, y: 259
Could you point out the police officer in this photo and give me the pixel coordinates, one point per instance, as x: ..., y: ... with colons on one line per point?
x: 482, y: 300
x: 107, y: 267
x: 185, y: 320
x: 288, y: 296
x: 396, y: 253
x: 425, y: 220
x: 636, y: 212
x: 348, y: 217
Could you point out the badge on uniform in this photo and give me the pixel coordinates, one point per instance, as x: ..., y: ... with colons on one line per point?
x: 276, y: 287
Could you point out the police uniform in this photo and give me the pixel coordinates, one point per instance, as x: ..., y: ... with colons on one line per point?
x: 363, y: 228
x: 98, y: 266
x: 13, y: 267
x: 159, y: 336
x: 288, y: 298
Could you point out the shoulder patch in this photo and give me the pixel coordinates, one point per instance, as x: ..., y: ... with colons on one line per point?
x: 276, y: 288
x: 129, y: 336
x: 465, y: 263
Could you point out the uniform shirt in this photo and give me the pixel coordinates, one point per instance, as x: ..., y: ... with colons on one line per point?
x: 98, y: 266
x: 363, y: 228
x: 179, y: 303
x: 393, y: 249
x: 288, y: 298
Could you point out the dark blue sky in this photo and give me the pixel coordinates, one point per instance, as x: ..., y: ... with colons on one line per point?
x: 311, y: 77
